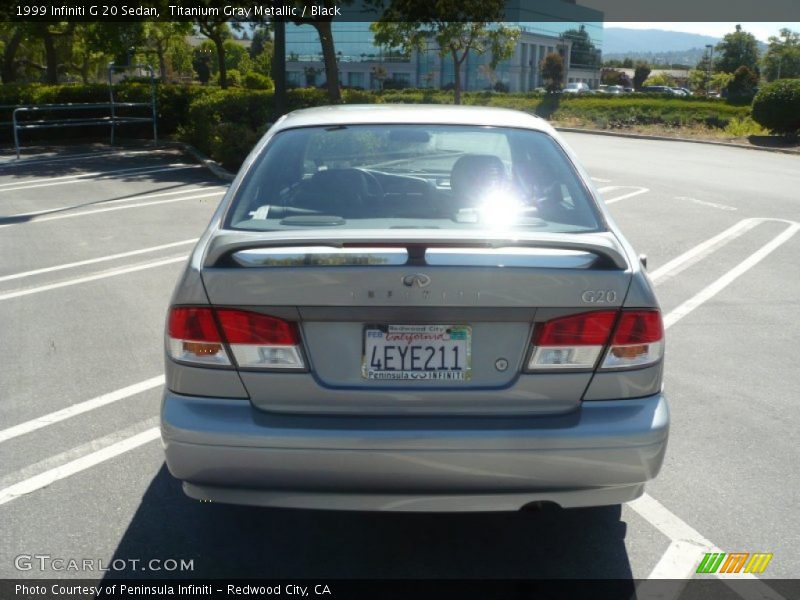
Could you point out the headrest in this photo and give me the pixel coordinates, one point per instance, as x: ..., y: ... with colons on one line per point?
x: 473, y: 174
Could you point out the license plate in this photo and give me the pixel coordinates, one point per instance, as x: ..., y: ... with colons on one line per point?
x: 417, y: 352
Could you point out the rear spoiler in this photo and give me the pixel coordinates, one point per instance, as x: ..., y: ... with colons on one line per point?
x: 225, y: 243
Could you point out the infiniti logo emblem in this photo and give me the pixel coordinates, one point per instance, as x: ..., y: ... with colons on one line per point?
x: 417, y: 280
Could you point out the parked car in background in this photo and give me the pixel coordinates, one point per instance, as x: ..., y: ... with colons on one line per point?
x: 614, y: 89
x: 660, y: 89
x: 413, y: 308
x: 577, y: 88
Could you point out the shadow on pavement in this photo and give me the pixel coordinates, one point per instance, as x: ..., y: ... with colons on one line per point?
x: 245, y: 542
x: 199, y: 185
x: 774, y: 141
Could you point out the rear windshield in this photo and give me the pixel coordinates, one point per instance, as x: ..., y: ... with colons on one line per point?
x: 412, y: 176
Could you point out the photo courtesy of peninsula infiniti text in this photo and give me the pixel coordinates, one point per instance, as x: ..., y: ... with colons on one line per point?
x: 413, y: 308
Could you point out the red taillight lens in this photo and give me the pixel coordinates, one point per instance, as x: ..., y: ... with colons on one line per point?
x: 193, y: 336
x: 189, y: 323
x: 585, y: 329
x: 260, y: 341
x: 637, y: 341
x: 243, y: 327
x: 572, y: 342
x: 256, y: 341
x: 577, y: 341
x: 638, y: 327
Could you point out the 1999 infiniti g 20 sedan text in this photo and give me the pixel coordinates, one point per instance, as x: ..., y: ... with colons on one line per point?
x: 413, y: 308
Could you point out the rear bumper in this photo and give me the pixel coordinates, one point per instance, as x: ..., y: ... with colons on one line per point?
x: 227, y: 451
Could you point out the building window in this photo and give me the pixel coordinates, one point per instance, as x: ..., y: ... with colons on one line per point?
x: 355, y: 80
x: 294, y: 78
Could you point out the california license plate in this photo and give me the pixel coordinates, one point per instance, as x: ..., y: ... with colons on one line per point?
x: 417, y: 352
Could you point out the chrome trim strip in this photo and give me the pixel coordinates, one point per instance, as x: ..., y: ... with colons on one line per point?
x: 319, y: 256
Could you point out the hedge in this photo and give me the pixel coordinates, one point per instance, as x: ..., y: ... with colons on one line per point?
x: 226, y: 123
x: 777, y: 107
x: 172, y: 103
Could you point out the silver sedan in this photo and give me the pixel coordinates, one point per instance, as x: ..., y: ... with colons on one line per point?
x: 413, y: 308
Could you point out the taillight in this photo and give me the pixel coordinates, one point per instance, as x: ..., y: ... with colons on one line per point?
x: 638, y: 340
x: 192, y: 336
x: 260, y: 341
x: 577, y: 341
x: 256, y: 341
x: 572, y: 342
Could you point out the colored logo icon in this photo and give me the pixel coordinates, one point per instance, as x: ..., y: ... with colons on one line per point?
x: 734, y: 562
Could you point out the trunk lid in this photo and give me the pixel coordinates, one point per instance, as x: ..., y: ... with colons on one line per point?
x: 354, y: 297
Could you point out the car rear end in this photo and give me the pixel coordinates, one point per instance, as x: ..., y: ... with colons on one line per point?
x: 412, y: 344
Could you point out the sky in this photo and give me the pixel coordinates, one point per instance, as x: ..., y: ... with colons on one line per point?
x: 762, y: 31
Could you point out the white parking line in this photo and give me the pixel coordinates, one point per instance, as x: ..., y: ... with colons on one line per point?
x: 699, y: 252
x: 36, y: 183
x: 95, y: 277
x: 25, y: 162
x: 638, y: 191
x: 145, y: 196
x: 707, y: 203
x: 80, y: 408
x: 92, y: 261
x: 37, y: 482
x: 720, y: 284
x: 75, y: 452
x: 83, y: 213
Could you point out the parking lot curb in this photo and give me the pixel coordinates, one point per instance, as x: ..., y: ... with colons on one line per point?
x: 642, y: 136
x: 210, y: 164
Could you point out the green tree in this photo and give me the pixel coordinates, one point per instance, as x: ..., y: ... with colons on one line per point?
x: 720, y: 81
x: 475, y: 28
x: 660, y: 79
x: 325, y: 33
x: 743, y: 84
x: 552, y: 69
x: 583, y: 51
x: 53, y: 36
x: 737, y: 49
x: 782, y: 60
x: 640, y: 74
x: 261, y: 40
x: 116, y: 39
x: 13, y: 37
x: 179, y: 58
x: 160, y: 37
x: 699, y: 80
x: 217, y: 31
x: 611, y: 77
x: 235, y: 55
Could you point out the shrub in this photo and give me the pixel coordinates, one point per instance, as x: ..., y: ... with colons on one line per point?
x: 744, y: 127
x: 777, y: 107
x: 230, y: 143
x: 257, y: 81
x: 354, y: 96
x: 248, y: 108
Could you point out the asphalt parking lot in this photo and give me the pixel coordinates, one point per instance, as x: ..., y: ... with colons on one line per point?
x: 91, y: 243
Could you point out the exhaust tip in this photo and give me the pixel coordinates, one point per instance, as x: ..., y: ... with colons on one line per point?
x: 540, y: 506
